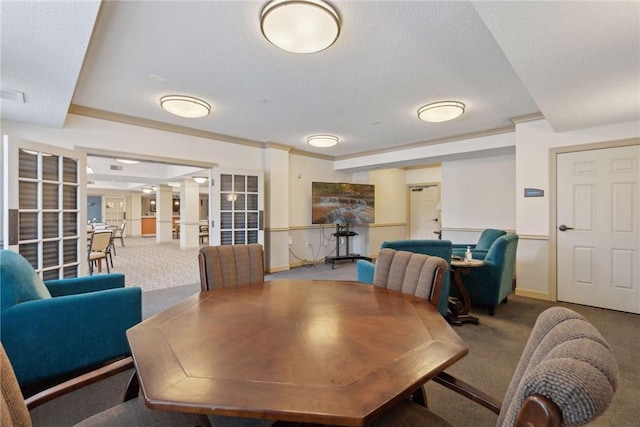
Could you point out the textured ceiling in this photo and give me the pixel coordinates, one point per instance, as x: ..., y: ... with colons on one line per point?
x: 577, y: 63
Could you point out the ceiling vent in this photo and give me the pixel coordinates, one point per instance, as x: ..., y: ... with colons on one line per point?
x: 115, y: 167
x: 12, y: 95
x: 91, y: 182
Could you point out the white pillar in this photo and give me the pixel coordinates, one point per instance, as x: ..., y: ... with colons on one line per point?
x: 189, y: 214
x: 134, y: 214
x: 277, y: 207
x: 164, y: 213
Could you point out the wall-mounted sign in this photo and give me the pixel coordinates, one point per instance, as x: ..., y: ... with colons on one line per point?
x: 533, y: 192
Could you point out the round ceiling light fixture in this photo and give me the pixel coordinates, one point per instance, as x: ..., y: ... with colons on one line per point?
x: 185, y: 106
x: 300, y: 26
x: 441, y: 111
x: 200, y: 179
x: 147, y: 190
x: 322, y: 141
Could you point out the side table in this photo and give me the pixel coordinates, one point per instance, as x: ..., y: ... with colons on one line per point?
x: 459, y: 310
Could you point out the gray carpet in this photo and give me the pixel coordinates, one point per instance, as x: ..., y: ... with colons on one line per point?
x: 494, y: 349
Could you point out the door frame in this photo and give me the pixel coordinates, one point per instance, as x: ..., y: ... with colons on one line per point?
x: 553, y: 201
x: 408, y: 207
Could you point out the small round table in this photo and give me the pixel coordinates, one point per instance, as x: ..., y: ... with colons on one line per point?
x: 459, y: 310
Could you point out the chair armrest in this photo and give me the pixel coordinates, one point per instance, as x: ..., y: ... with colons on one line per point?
x: 79, y: 382
x: 56, y: 336
x: 365, y: 271
x: 81, y: 285
x: 469, y: 391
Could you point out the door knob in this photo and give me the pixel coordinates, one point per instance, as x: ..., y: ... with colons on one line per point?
x: 564, y: 228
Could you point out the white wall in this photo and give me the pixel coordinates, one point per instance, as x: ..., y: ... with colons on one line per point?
x: 533, y: 143
x: 478, y: 194
x: 80, y: 131
x: 424, y: 175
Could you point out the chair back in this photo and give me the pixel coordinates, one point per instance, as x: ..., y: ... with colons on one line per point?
x: 230, y: 265
x: 120, y: 230
x: 100, y: 241
x: 13, y: 409
x: 19, y: 281
x: 567, y: 362
x: 487, y: 238
x: 433, y: 247
x: 410, y: 273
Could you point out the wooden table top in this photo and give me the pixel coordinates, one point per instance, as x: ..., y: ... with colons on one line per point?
x: 467, y: 264
x: 332, y: 352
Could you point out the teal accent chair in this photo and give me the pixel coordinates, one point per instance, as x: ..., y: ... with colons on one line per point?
x: 491, y: 284
x: 478, y: 250
x: 440, y: 248
x: 55, y: 328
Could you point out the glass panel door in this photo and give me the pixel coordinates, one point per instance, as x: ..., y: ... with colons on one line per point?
x: 238, y: 208
x: 43, y: 187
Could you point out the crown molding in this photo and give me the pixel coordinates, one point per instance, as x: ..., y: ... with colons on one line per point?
x: 153, y: 124
x: 527, y: 118
x: 454, y: 138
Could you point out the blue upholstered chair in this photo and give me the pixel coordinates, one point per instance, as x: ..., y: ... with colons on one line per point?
x: 490, y: 285
x: 54, y: 328
x: 439, y: 248
x: 478, y: 250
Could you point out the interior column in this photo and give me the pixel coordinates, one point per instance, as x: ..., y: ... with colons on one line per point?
x: 276, y: 234
x: 164, y: 213
x: 189, y: 214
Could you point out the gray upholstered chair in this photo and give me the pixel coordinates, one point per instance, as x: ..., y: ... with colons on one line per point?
x: 567, y: 376
x: 133, y: 412
x: 230, y: 265
x: 410, y: 273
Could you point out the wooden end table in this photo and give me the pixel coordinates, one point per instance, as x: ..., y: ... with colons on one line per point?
x: 459, y: 309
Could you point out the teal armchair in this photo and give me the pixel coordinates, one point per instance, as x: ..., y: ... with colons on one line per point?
x: 478, y: 250
x: 59, y: 327
x: 439, y: 248
x: 490, y: 285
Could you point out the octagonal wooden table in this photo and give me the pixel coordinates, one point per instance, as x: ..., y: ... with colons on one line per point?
x: 330, y: 352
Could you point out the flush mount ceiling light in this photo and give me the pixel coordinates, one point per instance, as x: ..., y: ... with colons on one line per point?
x: 322, y: 141
x: 441, y: 111
x: 300, y: 26
x: 128, y: 162
x: 185, y: 106
x: 173, y: 184
x: 199, y: 179
x: 146, y: 190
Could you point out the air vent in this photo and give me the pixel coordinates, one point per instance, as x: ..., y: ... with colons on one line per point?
x: 12, y: 95
x: 91, y: 182
x: 115, y: 167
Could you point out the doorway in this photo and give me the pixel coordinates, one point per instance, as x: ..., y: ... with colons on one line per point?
x: 596, y: 227
x: 424, y: 215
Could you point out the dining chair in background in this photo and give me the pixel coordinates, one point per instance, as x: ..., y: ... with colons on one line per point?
x: 119, y: 233
x: 567, y: 375
x: 99, y: 249
x: 230, y: 265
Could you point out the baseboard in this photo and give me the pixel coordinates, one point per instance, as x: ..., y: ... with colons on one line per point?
x: 534, y: 294
x: 278, y: 269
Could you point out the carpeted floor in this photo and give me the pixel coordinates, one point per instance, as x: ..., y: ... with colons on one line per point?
x: 495, y: 347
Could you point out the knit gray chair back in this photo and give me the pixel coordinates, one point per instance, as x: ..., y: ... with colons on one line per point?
x: 410, y: 273
x: 567, y: 361
x: 230, y: 265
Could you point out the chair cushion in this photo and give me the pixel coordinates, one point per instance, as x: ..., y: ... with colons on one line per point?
x: 18, y: 280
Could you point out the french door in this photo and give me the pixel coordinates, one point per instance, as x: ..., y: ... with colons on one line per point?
x: 237, y: 207
x: 43, y: 187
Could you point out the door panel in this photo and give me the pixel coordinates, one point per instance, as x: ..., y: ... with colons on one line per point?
x: 43, y: 190
x: 599, y: 251
x: 424, y: 219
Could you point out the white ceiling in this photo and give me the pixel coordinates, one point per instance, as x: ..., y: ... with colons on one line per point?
x: 577, y: 63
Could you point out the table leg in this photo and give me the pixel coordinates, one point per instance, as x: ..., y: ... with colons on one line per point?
x: 459, y: 310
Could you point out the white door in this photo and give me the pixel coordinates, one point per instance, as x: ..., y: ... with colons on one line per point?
x: 237, y: 207
x: 424, y: 218
x: 45, y: 207
x: 598, y: 236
